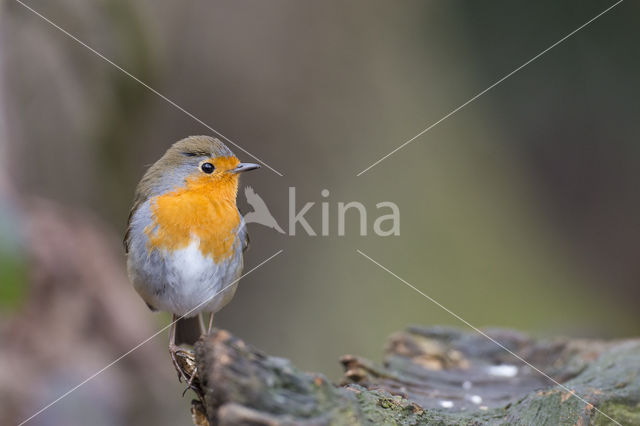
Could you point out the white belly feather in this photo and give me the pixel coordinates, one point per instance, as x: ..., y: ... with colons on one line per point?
x: 196, y: 283
x: 184, y: 281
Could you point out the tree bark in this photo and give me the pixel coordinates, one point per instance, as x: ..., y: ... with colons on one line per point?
x: 438, y: 375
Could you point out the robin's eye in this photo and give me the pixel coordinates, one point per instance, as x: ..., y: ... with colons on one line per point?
x: 207, y: 168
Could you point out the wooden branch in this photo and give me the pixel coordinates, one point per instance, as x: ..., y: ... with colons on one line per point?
x: 430, y: 376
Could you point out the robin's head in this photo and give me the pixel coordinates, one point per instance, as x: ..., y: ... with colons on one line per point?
x: 199, y: 162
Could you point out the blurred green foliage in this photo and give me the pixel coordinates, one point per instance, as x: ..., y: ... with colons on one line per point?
x: 13, y: 265
x: 12, y: 281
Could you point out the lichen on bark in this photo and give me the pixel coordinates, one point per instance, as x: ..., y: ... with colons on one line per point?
x: 431, y: 376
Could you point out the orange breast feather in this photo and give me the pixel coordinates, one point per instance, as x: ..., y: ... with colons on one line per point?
x: 203, y: 209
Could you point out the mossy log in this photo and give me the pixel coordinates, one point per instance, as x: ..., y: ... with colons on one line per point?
x: 431, y: 376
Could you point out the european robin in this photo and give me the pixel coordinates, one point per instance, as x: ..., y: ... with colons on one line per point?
x: 185, y: 237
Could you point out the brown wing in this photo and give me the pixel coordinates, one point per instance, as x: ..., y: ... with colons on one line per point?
x: 142, y: 194
x: 247, y: 241
x: 125, y: 241
x: 138, y: 200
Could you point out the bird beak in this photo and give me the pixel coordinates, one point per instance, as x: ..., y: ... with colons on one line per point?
x: 245, y: 167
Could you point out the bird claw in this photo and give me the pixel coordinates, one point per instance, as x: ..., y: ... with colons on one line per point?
x: 190, y: 383
x: 184, y: 363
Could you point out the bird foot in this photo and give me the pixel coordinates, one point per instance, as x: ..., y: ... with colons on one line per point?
x: 190, y: 383
x: 184, y: 362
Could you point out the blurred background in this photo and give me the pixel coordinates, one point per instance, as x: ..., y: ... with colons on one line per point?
x: 519, y: 211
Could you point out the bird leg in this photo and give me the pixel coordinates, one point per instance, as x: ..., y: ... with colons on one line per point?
x: 175, y: 350
x: 210, y: 324
x: 183, y: 361
x: 203, y: 330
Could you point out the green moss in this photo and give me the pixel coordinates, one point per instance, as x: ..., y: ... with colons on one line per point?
x: 621, y: 411
x: 13, y: 279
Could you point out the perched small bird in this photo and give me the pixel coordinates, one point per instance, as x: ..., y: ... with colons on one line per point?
x: 185, y: 236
